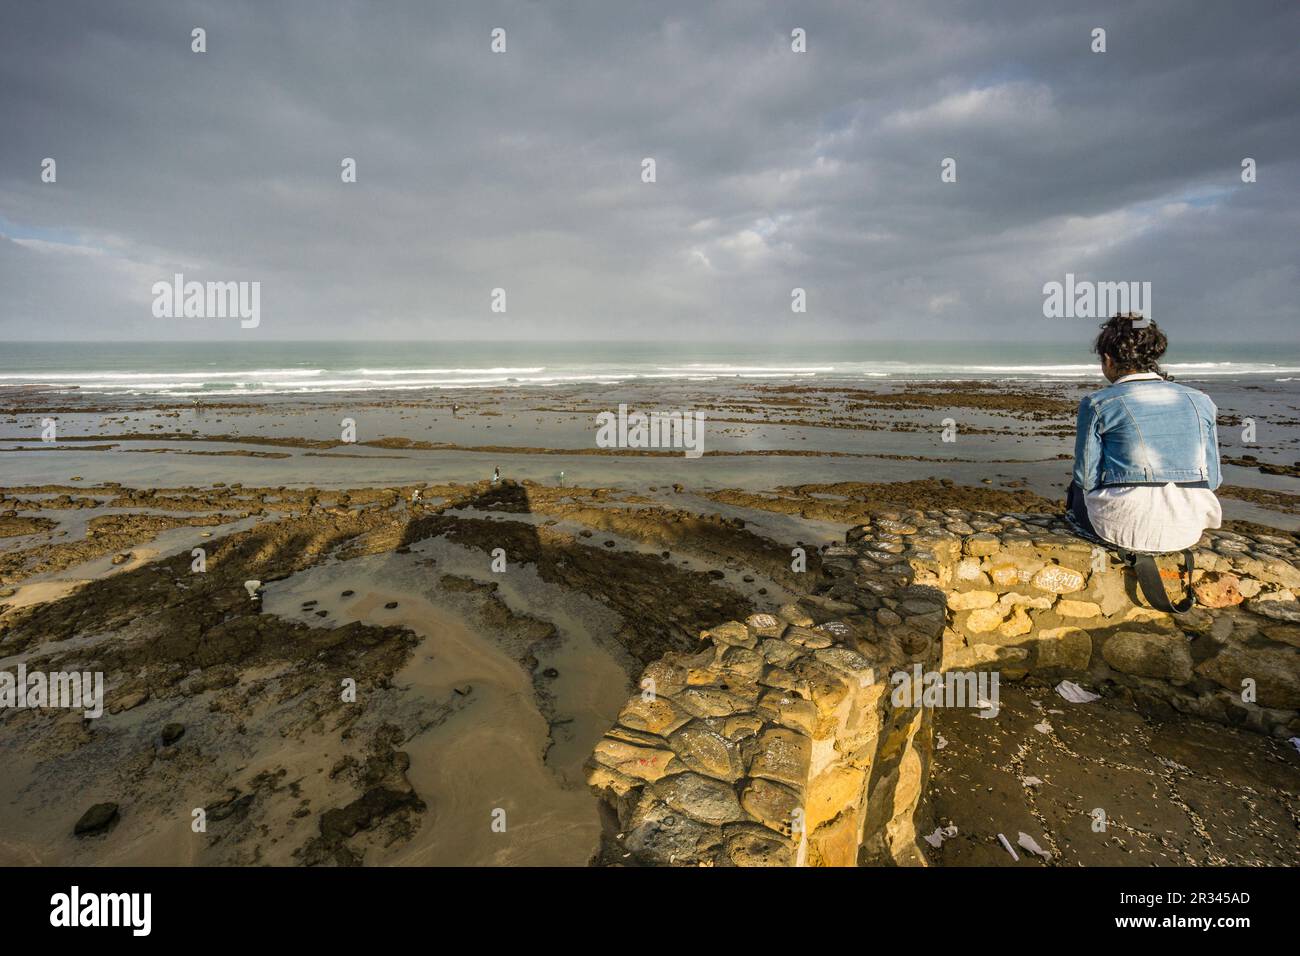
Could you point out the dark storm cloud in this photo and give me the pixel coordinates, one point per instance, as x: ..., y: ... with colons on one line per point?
x: 522, y: 170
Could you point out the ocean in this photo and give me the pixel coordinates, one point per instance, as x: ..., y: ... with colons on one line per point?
x: 274, y: 368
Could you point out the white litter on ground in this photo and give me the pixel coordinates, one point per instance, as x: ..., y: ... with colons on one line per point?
x: 940, y: 834
x: 1031, y: 781
x: 1028, y: 843
x: 1295, y: 742
x: 1006, y: 843
x: 1076, y: 694
x: 1043, y: 728
x: 940, y: 743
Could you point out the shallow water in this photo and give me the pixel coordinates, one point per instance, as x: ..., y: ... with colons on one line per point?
x: 494, y: 752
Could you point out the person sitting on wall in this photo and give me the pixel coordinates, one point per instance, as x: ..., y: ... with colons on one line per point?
x: 1146, y: 450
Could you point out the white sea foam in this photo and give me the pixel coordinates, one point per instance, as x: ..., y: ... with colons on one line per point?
x: 305, y: 381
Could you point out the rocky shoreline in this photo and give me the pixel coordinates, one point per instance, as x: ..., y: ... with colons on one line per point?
x: 219, y: 703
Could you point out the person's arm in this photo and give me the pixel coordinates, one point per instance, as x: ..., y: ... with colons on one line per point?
x: 1087, y: 448
x: 1212, y: 472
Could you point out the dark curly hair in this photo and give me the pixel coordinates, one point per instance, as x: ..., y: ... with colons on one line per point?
x: 1132, y: 349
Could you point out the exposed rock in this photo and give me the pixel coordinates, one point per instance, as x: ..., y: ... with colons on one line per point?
x: 658, y: 715
x: 172, y: 733
x: 732, y: 632
x: 644, y: 763
x: 1275, y: 671
x: 783, y: 756
x: 811, y: 639
x: 1018, y: 624
x: 1068, y: 608
x: 98, y: 819
x: 363, y: 813
x: 1284, y: 633
x: 970, y: 600
x: 706, y: 750
x: 1288, y: 611
x: 660, y: 835
x: 1147, y: 654
x: 1058, y: 579
x: 849, y: 663
x: 980, y: 545
x: 129, y: 701
x: 709, y: 702
x: 771, y: 804
x: 750, y: 844
x: 794, y: 614
x: 699, y: 797
x: 1041, y: 601
x: 765, y: 625
x: 1216, y: 589
x: 1065, y: 647
x: 780, y: 653
x: 979, y: 655
x: 784, y: 708
x: 984, y: 620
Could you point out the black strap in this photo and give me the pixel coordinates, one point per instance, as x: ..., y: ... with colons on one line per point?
x: 1153, y: 587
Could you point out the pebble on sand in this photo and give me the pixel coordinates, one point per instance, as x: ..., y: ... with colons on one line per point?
x: 97, y: 819
x: 172, y: 733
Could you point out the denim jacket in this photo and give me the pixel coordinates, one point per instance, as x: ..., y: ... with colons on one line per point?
x: 1144, y: 431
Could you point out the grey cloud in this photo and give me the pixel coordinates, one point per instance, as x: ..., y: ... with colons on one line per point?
x: 775, y: 170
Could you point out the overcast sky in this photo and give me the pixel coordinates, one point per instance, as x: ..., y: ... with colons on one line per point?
x: 522, y: 170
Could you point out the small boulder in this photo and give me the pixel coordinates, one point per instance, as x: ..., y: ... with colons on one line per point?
x: 172, y: 733
x: 98, y: 819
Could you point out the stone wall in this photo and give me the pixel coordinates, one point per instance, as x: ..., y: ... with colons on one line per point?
x: 1025, y: 597
x: 781, y: 744
x: 776, y: 744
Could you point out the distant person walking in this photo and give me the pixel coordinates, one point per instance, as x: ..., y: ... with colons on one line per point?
x: 496, y: 475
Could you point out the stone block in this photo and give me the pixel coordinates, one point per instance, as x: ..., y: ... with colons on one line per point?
x: 1068, y: 608
x: 643, y: 763
x: 1058, y: 579
x: 657, y: 716
x: 704, y: 749
x: 771, y: 804
x: 1069, y: 648
x: 783, y: 755
x: 983, y: 620
x: 971, y: 600
x: 701, y: 798
x: 1163, y: 656
x: 1275, y: 671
